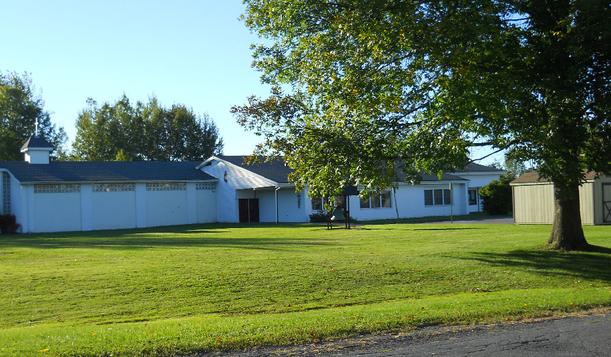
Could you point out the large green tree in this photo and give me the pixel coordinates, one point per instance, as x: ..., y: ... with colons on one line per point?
x: 361, y: 87
x: 20, y: 108
x: 144, y: 131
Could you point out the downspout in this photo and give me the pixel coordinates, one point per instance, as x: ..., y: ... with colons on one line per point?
x: 451, y: 204
x: 276, y: 199
x: 394, y: 194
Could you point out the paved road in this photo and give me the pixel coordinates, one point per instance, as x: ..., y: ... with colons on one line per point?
x: 572, y: 336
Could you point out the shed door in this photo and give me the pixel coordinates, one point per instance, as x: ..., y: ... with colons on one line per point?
x: 607, y: 202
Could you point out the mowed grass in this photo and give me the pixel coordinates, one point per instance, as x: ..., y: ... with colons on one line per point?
x: 199, y: 288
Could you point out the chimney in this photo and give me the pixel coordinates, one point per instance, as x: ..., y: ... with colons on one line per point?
x: 37, y: 150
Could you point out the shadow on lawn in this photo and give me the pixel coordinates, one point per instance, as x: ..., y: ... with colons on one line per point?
x: 583, y: 265
x: 185, y: 236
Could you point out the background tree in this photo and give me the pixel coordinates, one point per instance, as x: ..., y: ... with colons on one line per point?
x: 20, y: 108
x: 359, y: 86
x: 144, y: 131
x: 497, y: 195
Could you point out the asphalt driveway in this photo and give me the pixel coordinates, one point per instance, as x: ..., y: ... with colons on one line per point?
x: 570, y: 336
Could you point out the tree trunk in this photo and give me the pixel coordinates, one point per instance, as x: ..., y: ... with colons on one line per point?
x: 567, y: 233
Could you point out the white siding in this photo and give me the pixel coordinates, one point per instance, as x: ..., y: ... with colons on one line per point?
x: 166, y: 208
x: 113, y: 210
x: 54, y: 212
x: 206, y: 205
x: 408, y: 201
x: 478, y: 180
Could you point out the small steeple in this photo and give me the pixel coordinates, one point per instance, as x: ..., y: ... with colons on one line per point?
x: 37, y: 149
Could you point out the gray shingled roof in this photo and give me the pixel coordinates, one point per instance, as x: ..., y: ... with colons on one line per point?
x: 36, y: 142
x: 277, y: 171
x: 115, y: 171
x: 473, y: 167
x: 274, y: 170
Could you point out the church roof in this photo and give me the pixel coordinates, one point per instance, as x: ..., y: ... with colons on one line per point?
x: 36, y: 141
x: 277, y: 171
x: 113, y: 171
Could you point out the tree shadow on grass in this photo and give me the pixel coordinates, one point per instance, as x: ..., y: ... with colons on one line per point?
x: 160, y: 237
x: 592, y: 265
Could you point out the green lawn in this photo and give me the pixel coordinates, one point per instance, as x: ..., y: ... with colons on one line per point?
x: 184, y: 289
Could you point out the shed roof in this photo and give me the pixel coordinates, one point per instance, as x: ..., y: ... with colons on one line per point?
x: 114, y: 171
x: 533, y: 177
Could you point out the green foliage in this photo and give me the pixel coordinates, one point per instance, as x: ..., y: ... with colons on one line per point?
x: 497, y: 195
x: 359, y: 86
x: 20, y: 108
x: 181, y: 289
x: 144, y: 131
x: 8, y: 224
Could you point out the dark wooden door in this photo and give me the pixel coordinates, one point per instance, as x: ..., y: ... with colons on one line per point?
x: 254, y: 210
x: 249, y: 210
x: 244, y: 211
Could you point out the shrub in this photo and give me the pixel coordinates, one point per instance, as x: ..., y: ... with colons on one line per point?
x: 8, y: 224
x: 319, y: 217
x: 497, y: 196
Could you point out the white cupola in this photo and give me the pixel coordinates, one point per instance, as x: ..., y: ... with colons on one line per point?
x: 37, y: 150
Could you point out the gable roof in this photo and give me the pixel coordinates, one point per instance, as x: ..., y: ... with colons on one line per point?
x: 36, y: 141
x: 113, y: 171
x: 533, y: 177
x: 473, y: 167
x: 274, y: 170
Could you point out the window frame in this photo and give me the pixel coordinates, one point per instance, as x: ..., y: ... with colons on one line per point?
x: 436, y: 195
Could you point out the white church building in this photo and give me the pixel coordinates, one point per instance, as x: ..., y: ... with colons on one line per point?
x: 56, y: 196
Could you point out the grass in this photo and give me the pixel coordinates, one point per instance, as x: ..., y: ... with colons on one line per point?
x: 193, y: 288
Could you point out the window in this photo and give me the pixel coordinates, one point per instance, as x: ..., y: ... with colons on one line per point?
x: 6, y: 193
x: 60, y: 188
x: 317, y: 204
x: 472, y: 196
x: 428, y: 197
x: 205, y: 186
x: 447, y: 197
x: 114, y: 187
x: 299, y: 200
x: 364, y: 202
x: 385, y: 198
x: 437, y: 197
x: 170, y: 186
x: 380, y: 200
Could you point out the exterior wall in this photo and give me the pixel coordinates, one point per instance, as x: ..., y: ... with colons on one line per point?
x: 54, y: 212
x: 91, y: 210
x: 410, y: 201
x: 534, y: 203
x: 407, y: 201
x: 226, y: 194
x: 478, y: 180
x: 165, y: 208
x: 113, y: 210
x: 292, y: 206
x: 206, y: 205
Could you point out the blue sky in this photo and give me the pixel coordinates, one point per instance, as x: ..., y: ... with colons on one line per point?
x: 182, y: 51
